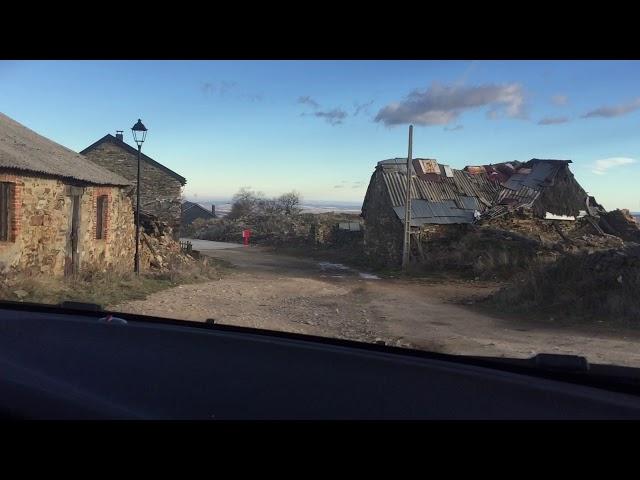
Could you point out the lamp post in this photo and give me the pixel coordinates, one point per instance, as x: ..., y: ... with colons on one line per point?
x: 139, y: 134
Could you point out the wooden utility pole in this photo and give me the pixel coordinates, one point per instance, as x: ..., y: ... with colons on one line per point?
x: 407, y: 207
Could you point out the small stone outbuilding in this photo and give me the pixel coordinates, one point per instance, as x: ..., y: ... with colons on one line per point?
x: 160, y: 187
x: 192, y: 211
x: 59, y: 212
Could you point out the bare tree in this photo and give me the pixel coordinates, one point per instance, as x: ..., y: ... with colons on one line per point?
x: 289, y: 203
x: 245, y: 203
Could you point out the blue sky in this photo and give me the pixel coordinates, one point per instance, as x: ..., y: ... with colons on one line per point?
x: 320, y: 126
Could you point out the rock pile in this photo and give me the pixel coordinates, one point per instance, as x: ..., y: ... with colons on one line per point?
x: 515, y: 242
x: 159, y: 250
x: 588, y: 234
x: 622, y: 224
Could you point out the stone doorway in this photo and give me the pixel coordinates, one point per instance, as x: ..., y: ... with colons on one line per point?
x: 72, y: 257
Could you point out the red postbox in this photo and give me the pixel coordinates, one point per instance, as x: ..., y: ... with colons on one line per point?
x: 245, y: 236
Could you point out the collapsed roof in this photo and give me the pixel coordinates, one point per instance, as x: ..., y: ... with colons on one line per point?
x: 443, y: 195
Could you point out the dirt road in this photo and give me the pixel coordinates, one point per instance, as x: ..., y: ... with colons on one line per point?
x: 279, y: 292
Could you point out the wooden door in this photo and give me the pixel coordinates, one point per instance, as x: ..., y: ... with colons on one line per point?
x: 72, y: 258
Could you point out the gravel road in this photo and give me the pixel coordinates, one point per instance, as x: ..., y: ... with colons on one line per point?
x: 279, y: 292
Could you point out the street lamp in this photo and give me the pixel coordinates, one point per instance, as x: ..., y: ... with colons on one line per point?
x: 139, y: 134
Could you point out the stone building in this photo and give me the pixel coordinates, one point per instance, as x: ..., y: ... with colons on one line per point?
x: 444, y: 198
x: 160, y: 187
x: 192, y: 211
x: 59, y: 213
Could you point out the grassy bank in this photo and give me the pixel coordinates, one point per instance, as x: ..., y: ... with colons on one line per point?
x: 600, y: 287
x: 107, y: 288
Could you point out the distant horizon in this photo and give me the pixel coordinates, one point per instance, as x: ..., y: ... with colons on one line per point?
x: 204, y: 200
x: 308, y: 203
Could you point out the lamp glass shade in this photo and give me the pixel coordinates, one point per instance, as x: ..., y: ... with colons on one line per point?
x: 139, y: 132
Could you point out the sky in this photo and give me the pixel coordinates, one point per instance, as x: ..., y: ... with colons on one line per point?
x: 320, y: 127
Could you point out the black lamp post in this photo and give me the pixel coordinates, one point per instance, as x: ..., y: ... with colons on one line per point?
x: 139, y: 134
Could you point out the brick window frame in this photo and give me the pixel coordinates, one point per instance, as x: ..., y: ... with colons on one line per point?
x: 14, y: 207
x: 102, y: 196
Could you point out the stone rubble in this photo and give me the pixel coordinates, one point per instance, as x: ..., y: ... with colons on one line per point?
x: 160, y: 252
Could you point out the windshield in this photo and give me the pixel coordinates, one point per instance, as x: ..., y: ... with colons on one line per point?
x: 482, y: 208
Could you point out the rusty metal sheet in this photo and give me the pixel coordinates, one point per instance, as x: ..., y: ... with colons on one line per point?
x: 429, y: 165
x: 475, y: 170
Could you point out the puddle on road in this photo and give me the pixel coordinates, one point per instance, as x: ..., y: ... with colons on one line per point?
x: 328, y: 266
x: 332, y: 266
x: 369, y: 276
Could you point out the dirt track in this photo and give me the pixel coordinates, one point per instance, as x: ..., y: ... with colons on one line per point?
x: 267, y: 290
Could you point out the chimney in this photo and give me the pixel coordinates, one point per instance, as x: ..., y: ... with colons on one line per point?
x: 213, y: 210
x: 119, y: 135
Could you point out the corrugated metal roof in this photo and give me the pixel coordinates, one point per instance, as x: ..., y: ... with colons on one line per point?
x: 424, y: 212
x: 444, y: 199
x: 468, y: 203
x: 23, y: 149
x: 496, y: 211
x: 462, y: 184
x: 448, y: 171
x: 542, y: 172
x: 524, y: 196
x: 515, y: 181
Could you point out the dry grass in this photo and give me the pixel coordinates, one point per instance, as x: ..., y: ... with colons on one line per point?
x: 602, y: 286
x: 106, y: 288
x: 485, y: 253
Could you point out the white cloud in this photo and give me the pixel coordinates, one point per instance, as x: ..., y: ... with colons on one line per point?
x: 442, y: 105
x: 600, y: 167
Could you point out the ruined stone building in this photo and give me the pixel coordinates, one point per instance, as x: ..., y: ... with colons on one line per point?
x: 160, y: 187
x: 59, y: 212
x: 443, y: 198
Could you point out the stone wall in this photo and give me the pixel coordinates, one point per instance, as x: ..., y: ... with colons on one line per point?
x: 116, y: 250
x: 42, y: 216
x: 160, y: 193
x: 383, y: 231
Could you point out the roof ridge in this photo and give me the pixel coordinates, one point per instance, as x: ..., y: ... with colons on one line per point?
x: 110, y: 138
